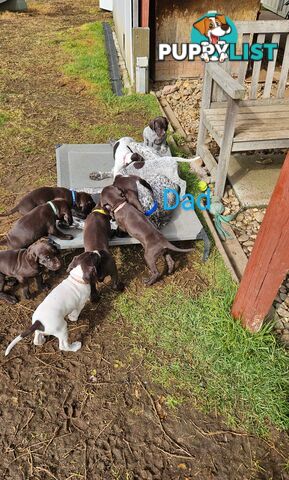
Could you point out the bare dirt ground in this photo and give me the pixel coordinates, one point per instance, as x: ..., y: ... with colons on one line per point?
x: 95, y: 414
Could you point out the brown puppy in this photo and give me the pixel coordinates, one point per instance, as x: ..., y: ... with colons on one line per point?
x: 128, y: 187
x: 25, y: 264
x: 40, y: 222
x: 81, y: 202
x: 138, y: 226
x: 96, y: 235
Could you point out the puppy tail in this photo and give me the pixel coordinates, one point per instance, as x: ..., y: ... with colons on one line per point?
x: 176, y: 249
x: 35, y: 326
x: 6, y: 214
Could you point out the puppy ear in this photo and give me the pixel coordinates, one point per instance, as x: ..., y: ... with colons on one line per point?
x: 73, y: 264
x: 201, y: 26
x: 152, y: 124
x: 136, y: 157
x: 107, y: 207
x: 133, y: 200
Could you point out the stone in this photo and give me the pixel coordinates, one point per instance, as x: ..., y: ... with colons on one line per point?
x: 169, y: 89
x: 285, y: 337
x: 259, y: 216
x: 283, y: 296
x: 279, y: 324
x: 249, y: 243
x: 283, y: 289
x: 240, y: 217
x: 282, y: 312
x: 243, y: 238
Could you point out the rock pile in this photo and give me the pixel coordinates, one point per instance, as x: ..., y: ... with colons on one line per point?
x: 184, y: 97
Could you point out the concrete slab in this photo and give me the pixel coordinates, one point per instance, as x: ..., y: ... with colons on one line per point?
x: 253, y: 177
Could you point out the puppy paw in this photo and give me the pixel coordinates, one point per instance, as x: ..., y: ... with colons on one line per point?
x: 12, y: 300
x: 72, y: 317
x: 150, y: 281
x: 120, y: 287
x: 94, y: 298
x: 75, y: 346
x: 40, y: 340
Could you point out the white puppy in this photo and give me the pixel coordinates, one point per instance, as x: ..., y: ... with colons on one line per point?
x: 67, y: 299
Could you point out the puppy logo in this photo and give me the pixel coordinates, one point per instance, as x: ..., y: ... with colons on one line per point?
x: 214, y: 32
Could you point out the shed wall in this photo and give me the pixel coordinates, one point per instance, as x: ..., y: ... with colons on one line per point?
x: 174, y: 21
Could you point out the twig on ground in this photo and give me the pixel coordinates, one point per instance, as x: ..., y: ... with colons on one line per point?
x: 189, y: 455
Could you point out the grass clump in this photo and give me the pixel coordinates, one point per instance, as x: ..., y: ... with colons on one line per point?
x: 193, y: 347
x: 89, y: 62
x: 3, y: 118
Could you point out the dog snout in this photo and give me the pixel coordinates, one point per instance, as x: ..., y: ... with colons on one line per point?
x: 51, y: 263
x: 68, y: 218
x: 55, y: 264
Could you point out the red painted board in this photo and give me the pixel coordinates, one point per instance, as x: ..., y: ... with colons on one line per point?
x: 145, y: 9
x: 269, y: 260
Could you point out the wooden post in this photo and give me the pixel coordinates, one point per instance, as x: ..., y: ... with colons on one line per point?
x: 269, y: 261
x: 145, y: 11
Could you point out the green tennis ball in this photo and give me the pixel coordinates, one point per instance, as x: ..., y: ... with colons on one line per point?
x: 202, y: 186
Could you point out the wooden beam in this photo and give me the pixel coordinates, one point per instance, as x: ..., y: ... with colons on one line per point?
x: 232, y: 87
x: 263, y: 26
x: 145, y: 13
x: 269, y: 260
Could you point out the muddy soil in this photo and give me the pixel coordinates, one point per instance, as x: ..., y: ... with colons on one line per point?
x: 95, y: 414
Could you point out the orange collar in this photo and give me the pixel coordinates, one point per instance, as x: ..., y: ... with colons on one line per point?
x: 119, y: 207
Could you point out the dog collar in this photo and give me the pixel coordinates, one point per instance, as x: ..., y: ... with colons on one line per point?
x: 77, y: 280
x: 73, y: 194
x: 154, y: 208
x: 100, y: 210
x: 97, y: 252
x: 54, y: 208
x: 119, y: 207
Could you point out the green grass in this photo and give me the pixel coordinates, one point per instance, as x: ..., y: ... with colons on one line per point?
x: 89, y: 62
x: 196, y: 350
x: 3, y: 118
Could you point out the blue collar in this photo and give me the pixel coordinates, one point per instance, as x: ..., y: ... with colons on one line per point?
x: 73, y: 193
x: 154, y: 208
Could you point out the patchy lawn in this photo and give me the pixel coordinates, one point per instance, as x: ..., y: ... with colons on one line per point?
x: 167, y: 385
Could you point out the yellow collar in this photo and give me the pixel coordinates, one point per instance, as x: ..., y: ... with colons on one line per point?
x: 99, y: 210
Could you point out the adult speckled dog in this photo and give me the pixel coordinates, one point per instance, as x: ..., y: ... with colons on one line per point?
x: 123, y: 155
x: 66, y: 300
